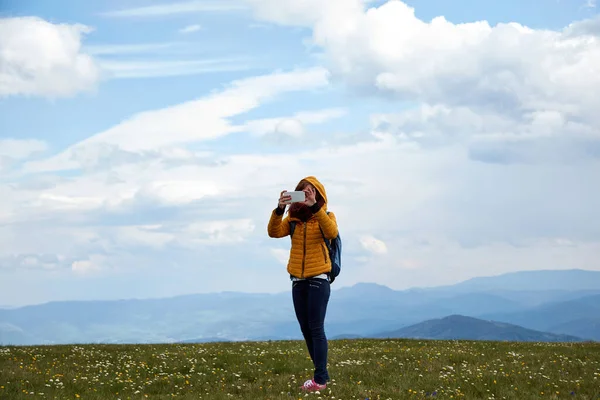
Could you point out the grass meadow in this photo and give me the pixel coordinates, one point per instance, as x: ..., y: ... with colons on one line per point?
x: 360, y: 369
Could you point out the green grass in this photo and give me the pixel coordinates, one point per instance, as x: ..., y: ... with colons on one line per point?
x: 360, y: 369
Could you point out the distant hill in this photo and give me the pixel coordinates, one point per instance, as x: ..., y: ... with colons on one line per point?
x: 536, y: 298
x: 545, y: 280
x: 340, y: 337
x: 476, y: 303
x: 362, y: 310
x: 587, y: 328
x: 10, y: 333
x: 574, y: 316
x: 468, y: 328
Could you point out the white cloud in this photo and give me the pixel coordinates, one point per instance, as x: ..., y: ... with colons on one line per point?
x: 305, y: 13
x: 289, y: 127
x: 586, y: 27
x: 373, y: 245
x: 440, y: 261
x: 161, y: 59
x: 12, y: 151
x: 426, y: 217
x: 219, y: 232
x: 197, y: 6
x: 123, y: 69
x: 145, y: 235
x: 30, y: 261
x: 94, y: 264
x: 536, y: 136
x: 508, y: 67
x: 194, y: 121
x: 506, y: 94
x: 21, y: 149
x: 190, y: 29
x: 292, y: 125
x: 270, y: 8
x: 40, y: 58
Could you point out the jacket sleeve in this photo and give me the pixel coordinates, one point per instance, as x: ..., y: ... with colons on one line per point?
x: 328, y: 223
x: 278, y: 226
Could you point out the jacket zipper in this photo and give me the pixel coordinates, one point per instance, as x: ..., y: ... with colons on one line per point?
x: 304, y: 249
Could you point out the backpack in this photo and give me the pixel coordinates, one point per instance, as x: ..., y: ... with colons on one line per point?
x: 335, y: 252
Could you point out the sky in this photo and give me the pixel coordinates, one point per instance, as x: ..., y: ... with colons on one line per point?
x: 144, y: 144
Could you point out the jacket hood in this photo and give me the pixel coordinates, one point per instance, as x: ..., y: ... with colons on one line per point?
x: 319, y: 186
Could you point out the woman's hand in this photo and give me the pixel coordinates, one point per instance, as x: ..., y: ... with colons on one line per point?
x: 311, y: 194
x: 284, y: 199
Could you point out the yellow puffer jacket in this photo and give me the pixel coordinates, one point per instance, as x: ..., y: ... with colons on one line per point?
x: 308, y: 255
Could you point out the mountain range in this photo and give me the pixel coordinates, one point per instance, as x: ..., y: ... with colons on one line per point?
x: 459, y: 327
x: 531, y: 305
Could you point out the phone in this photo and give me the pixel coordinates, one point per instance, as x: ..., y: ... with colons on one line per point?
x: 297, y: 196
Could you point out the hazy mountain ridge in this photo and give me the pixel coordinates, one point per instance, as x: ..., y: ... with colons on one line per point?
x: 559, y: 280
x: 363, y: 310
x: 576, y: 315
x: 459, y: 327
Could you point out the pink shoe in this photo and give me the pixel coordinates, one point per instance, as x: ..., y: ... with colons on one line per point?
x: 312, y: 386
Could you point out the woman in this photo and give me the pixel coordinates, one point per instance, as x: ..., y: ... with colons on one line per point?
x: 308, y: 266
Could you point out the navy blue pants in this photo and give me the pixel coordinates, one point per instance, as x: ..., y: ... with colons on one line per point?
x: 311, y: 297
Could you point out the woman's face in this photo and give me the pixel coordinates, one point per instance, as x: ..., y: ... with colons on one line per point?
x: 311, y: 193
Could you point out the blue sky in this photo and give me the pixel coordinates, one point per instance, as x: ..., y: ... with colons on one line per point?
x: 143, y: 144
